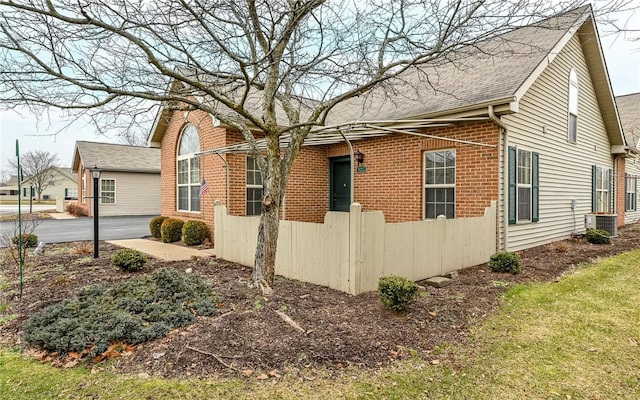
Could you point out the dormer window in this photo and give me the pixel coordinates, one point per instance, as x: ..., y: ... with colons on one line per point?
x: 573, y: 106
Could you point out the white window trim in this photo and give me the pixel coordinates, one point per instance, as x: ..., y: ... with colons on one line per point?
x: 570, y: 112
x: 101, y: 192
x: 524, y: 185
x: 249, y: 186
x: 600, y: 173
x: 633, y: 193
x: 189, y: 184
x: 437, y: 185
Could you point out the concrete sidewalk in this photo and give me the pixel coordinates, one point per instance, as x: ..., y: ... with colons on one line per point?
x: 163, y: 251
x: 63, y: 215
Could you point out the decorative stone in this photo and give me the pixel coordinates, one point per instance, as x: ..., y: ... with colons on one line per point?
x: 451, y: 275
x: 438, y: 281
x: 39, y: 251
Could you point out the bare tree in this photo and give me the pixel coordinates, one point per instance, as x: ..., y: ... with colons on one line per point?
x: 5, y: 176
x: 36, y: 166
x: 277, y: 67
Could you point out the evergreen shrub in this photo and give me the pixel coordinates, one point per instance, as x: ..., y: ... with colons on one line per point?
x: 396, y: 292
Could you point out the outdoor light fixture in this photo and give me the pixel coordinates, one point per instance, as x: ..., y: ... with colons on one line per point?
x: 358, y: 156
x: 95, y: 174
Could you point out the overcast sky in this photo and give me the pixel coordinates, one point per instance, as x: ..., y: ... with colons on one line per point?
x: 622, y: 58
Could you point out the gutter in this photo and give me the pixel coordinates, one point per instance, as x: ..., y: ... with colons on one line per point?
x: 505, y: 176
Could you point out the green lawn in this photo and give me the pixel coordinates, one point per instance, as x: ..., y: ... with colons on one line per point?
x: 575, y: 339
x: 26, y: 202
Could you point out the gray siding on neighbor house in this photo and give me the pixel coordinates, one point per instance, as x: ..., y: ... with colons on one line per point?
x: 541, y: 126
x: 136, y: 194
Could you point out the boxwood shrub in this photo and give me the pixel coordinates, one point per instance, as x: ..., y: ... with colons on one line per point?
x: 505, y: 261
x: 154, y: 226
x: 396, y: 292
x: 598, y: 236
x: 28, y: 240
x: 171, y: 230
x: 194, y: 233
x: 129, y: 260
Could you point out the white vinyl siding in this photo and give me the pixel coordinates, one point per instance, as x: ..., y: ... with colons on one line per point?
x: 541, y: 126
x: 137, y: 194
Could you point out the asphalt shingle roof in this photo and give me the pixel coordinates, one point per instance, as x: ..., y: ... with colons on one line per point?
x: 629, y: 111
x: 490, y: 70
x: 118, y: 157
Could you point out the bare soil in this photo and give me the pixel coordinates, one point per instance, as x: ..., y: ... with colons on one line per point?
x: 249, y: 335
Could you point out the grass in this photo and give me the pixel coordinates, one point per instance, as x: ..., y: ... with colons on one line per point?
x: 575, y: 339
x: 23, y: 202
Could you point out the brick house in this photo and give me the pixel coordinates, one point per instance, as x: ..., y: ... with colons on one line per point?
x: 129, y: 181
x: 529, y: 121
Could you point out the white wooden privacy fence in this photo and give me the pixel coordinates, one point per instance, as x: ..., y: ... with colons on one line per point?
x: 351, y: 251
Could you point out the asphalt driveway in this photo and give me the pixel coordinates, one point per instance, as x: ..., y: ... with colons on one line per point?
x: 71, y: 230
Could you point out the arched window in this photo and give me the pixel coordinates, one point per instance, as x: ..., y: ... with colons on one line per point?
x: 573, y: 106
x: 188, y: 170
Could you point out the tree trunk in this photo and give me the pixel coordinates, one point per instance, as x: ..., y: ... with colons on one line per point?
x: 265, y: 260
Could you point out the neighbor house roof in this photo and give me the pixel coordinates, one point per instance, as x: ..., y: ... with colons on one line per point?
x: 116, y: 157
x: 496, y: 72
x: 629, y: 109
x: 65, y: 172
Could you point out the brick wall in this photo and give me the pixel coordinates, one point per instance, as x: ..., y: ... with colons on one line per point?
x: 392, y: 182
x: 211, y: 166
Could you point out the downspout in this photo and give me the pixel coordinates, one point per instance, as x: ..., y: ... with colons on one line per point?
x: 353, y: 189
x: 505, y: 175
x: 226, y: 166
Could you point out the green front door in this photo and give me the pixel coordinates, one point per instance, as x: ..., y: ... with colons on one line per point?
x: 340, y: 184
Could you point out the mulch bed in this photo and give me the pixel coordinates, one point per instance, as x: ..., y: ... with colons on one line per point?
x: 248, y: 334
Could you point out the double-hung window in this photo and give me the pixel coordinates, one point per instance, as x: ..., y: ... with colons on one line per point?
x: 188, y: 170
x: 440, y: 184
x: 631, y: 186
x: 573, y: 106
x: 601, y: 189
x: 107, y: 191
x: 524, y: 186
x: 254, y: 187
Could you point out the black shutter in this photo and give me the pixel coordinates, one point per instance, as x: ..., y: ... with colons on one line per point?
x: 512, y: 185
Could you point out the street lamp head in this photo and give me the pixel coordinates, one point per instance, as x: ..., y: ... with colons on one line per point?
x: 95, y: 172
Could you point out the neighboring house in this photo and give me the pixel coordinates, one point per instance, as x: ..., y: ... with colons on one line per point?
x: 629, y: 109
x: 528, y: 120
x: 129, y: 182
x: 10, y: 188
x: 61, y: 183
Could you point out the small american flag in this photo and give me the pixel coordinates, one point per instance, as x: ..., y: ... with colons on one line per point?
x: 204, y: 187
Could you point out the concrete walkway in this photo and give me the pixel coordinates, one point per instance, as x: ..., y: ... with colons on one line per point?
x: 162, y: 251
x: 63, y: 215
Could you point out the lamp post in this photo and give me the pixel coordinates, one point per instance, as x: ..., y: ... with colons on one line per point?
x: 95, y: 174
